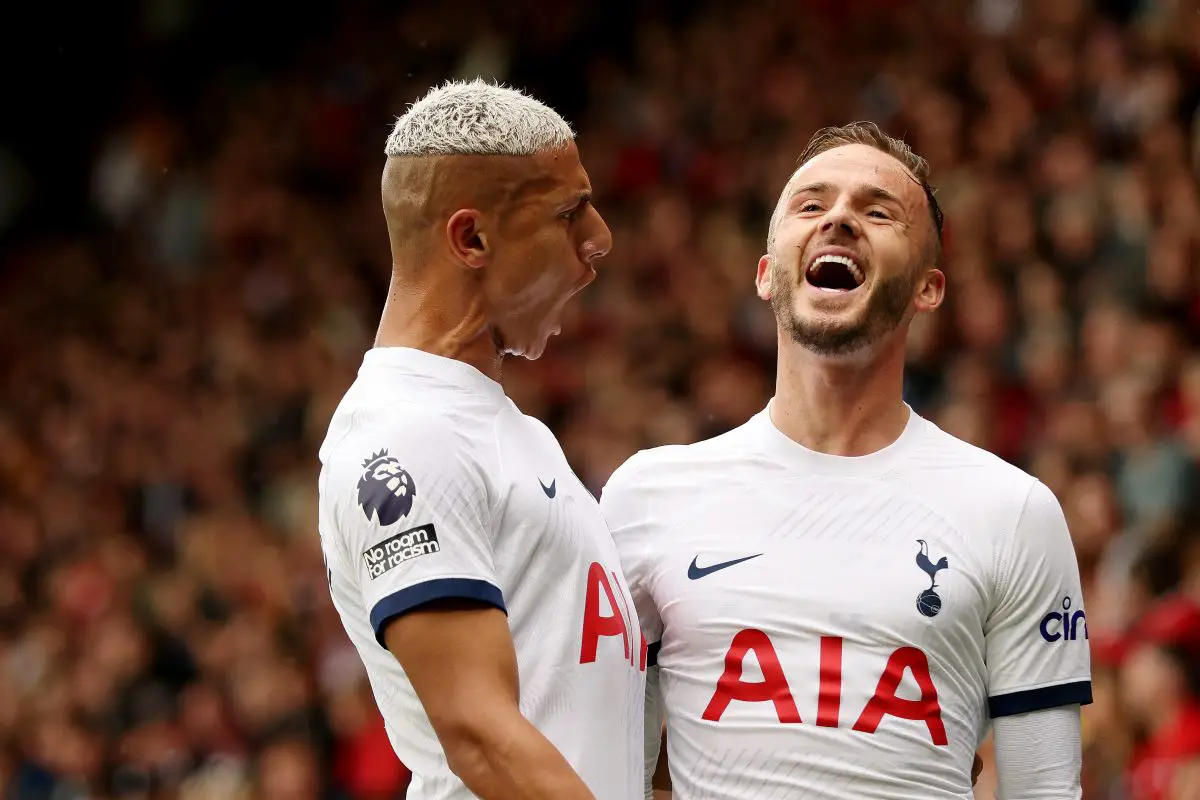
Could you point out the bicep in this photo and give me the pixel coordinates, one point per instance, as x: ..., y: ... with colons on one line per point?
x: 460, y: 659
x: 1039, y: 755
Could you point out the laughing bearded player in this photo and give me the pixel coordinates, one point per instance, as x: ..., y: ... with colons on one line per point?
x: 843, y: 597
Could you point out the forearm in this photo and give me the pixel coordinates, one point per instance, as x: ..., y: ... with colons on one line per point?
x: 510, y: 759
x: 1039, y: 755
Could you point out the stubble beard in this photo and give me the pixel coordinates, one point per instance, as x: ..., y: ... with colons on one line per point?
x: 885, y: 309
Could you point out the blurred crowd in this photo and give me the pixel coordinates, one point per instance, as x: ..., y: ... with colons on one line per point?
x: 170, y: 358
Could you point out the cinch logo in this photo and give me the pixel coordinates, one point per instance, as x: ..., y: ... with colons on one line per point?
x: 1063, y: 625
x: 393, y: 552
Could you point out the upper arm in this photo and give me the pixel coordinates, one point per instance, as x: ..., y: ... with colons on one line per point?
x: 460, y: 660
x: 653, y: 734
x: 1036, y: 631
x: 414, y: 514
x: 1039, y: 755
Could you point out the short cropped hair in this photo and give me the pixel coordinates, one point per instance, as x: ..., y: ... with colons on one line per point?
x: 477, y: 118
x: 871, y: 135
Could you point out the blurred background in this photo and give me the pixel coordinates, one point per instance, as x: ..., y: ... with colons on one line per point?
x: 193, y: 260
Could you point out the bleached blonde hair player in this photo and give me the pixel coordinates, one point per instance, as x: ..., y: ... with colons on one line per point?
x: 841, y: 597
x: 470, y: 568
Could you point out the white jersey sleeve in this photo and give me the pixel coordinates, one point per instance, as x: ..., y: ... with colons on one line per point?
x: 415, y: 518
x: 652, y: 733
x: 1036, y: 630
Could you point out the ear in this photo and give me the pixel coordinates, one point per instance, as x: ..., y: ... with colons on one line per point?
x: 762, y: 280
x: 467, y: 240
x: 931, y: 292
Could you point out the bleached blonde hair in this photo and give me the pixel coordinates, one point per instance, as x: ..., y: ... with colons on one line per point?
x: 477, y: 118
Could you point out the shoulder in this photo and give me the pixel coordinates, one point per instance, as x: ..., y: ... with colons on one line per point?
x: 977, y: 484
x: 652, y: 483
x: 433, y: 435
x: 382, y: 457
x: 660, y: 470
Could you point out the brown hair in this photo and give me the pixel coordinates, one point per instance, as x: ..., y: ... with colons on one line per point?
x: 871, y: 135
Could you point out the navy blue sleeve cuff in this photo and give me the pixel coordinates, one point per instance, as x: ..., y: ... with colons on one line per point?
x: 413, y: 597
x: 652, y: 654
x: 1064, y: 694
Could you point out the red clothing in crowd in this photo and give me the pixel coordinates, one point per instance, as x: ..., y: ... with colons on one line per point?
x: 367, y: 766
x: 1156, y: 762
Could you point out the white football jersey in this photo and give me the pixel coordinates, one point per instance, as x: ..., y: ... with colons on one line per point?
x: 845, y: 628
x: 434, y: 486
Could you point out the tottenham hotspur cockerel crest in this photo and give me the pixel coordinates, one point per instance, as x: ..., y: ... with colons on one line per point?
x: 385, y: 490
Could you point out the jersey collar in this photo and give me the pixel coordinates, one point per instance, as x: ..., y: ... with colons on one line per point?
x: 778, y: 445
x: 448, y: 370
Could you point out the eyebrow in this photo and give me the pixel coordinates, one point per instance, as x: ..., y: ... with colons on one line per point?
x: 874, y: 192
x: 580, y: 199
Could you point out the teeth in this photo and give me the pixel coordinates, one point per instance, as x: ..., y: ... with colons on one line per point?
x: 855, y: 270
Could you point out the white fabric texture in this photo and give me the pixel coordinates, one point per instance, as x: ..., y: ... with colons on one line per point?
x: 1039, y: 755
x: 845, y: 628
x: 474, y: 500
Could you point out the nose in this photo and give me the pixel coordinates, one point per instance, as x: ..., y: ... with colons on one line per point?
x: 840, y: 219
x: 598, y: 241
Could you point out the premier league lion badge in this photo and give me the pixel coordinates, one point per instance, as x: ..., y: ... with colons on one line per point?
x: 385, y: 490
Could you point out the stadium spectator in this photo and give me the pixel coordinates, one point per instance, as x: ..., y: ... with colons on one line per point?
x: 189, y: 280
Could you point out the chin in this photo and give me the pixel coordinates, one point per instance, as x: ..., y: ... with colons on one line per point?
x: 532, y: 351
x: 831, y: 335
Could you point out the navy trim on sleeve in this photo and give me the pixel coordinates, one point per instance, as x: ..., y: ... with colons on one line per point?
x: 652, y: 654
x: 412, y: 597
x: 1064, y: 694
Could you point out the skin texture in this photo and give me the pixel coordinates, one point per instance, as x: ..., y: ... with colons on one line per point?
x: 463, y: 668
x: 486, y: 252
x: 841, y: 355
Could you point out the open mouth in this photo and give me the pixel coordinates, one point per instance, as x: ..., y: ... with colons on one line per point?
x: 834, y: 274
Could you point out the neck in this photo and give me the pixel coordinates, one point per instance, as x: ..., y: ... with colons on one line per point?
x: 851, y: 407
x: 439, y: 318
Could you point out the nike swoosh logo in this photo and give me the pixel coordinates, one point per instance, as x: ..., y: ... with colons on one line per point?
x: 696, y: 573
x: 550, y: 490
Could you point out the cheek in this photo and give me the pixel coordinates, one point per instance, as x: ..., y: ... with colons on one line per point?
x: 543, y: 284
x: 894, y: 249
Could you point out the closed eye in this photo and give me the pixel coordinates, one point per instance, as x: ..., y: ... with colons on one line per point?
x: 811, y: 205
x: 878, y: 214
